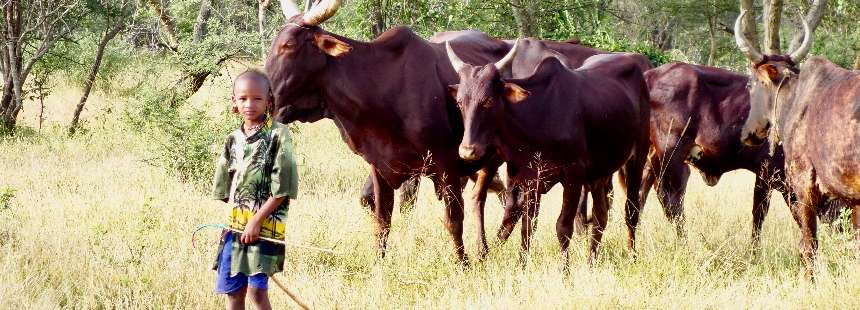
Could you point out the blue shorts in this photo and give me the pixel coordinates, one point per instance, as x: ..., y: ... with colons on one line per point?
x: 224, y: 283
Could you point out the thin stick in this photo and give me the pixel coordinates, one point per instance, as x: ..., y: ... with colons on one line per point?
x: 288, y: 243
x: 292, y: 296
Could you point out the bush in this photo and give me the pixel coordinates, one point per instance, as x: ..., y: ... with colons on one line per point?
x: 179, y: 139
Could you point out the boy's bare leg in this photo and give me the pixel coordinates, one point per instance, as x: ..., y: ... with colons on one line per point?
x: 260, y: 298
x: 236, y: 300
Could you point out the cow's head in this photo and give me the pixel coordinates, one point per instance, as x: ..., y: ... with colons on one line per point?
x: 773, y: 77
x: 482, y: 96
x: 297, y: 59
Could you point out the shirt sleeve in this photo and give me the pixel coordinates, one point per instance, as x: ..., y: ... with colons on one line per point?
x: 285, y: 175
x: 221, y: 180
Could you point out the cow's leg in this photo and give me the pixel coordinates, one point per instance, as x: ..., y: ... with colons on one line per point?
x: 513, y: 212
x: 564, y: 226
x: 366, y: 199
x: 453, y: 198
x: 600, y: 214
x: 809, y: 235
x: 384, y: 207
x: 409, y: 193
x: 479, y: 198
x: 649, y: 175
x: 531, y: 203
x: 671, y: 186
x: 855, y: 223
x: 632, y: 172
x: 580, y: 222
x: 761, y: 204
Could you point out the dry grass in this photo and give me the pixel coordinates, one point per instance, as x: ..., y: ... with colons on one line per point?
x: 92, y: 226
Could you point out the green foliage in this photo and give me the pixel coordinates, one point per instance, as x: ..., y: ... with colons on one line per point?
x: 179, y: 138
x: 6, y: 196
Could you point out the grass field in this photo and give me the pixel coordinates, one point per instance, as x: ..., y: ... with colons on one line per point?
x: 88, y: 224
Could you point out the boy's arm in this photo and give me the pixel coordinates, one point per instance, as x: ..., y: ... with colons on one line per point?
x: 252, y: 228
x: 221, y: 180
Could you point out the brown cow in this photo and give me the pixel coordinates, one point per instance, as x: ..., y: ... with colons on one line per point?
x: 555, y: 126
x: 813, y: 112
x: 477, y: 47
x: 475, y: 44
x: 696, y: 117
x: 388, y: 99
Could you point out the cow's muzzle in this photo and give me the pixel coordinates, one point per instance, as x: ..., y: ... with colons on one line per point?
x: 755, y: 137
x: 471, y: 151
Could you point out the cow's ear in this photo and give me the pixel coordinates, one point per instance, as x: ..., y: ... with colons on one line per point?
x: 768, y: 71
x: 514, y: 93
x: 452, y: 90
x: 331, y: 45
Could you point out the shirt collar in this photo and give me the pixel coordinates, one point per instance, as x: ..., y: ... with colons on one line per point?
x: 267, y: 127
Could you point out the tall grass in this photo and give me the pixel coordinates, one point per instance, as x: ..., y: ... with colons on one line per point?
x: 86, y: 223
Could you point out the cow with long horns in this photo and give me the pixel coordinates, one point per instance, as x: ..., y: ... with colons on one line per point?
x: 813, y: 111
x: 559, y: 126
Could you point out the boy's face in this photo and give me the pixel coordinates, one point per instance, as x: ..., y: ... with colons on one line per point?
x: 250, y: 98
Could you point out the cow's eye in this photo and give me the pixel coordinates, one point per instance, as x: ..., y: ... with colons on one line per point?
x: 487, y: 103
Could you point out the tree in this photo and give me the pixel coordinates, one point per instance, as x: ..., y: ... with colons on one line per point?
x: 525, y: 13
x: 772, y: 17
x: 30, y: 29
x: 112, y: 20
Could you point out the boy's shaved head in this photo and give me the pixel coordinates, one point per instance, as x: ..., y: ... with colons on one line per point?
x: 255, y: 76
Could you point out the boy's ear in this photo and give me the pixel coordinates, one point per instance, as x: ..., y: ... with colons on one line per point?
x: 514, y: 93
x: 330, y: 45
x: 233, y: 107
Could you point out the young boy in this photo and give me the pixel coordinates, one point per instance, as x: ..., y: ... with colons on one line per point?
x: 257, y: 175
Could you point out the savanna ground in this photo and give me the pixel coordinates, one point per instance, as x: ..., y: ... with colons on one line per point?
x: 87, y: 222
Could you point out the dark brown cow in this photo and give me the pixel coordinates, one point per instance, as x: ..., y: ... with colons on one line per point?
x: 696, y: 117
x: 387, y: 97
x: 813, y: 112
x: 477, y: 45
x: 556, y: 126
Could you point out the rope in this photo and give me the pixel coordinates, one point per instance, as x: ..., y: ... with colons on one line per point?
x: 281, y: 242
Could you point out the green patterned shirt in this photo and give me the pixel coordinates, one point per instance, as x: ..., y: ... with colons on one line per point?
x: 248, y: 172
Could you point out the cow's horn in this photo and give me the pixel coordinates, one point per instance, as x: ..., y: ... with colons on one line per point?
x: 308, y: 5
x: 289, y: 8
x: 743, y: 43
x: 807, y: 42
x: 455, y: 60
x: 509, y: 58
x: 321, y: 12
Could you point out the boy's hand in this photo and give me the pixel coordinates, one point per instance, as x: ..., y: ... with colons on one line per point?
x: 251, y: 233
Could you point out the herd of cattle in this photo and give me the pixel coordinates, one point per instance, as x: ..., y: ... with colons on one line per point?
x: 462, y: 103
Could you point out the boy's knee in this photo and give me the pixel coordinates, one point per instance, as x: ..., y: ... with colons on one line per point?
x: 238, y: 294
x: 259, y: 297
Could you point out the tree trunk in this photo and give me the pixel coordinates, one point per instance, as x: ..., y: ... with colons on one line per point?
x: 167, y: 25
x: 91, y: 78
x: 749, y: 22
x: 202, y: 20
x: 377, y: 17
x: 857, y: 61
x: 772, y: 16
x: 712, y: 36
x: 261, y: 25
x: 525, y: 13
x: 813, y: 18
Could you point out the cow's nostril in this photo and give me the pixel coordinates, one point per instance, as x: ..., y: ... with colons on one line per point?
x: 469, y: 152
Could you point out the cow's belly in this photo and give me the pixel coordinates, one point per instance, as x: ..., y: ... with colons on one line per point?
x: 835, y: 155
